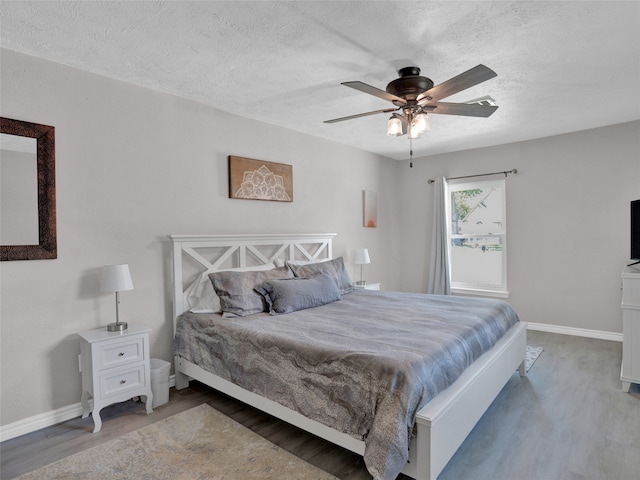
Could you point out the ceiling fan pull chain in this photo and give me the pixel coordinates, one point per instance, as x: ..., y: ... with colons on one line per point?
x: 410, y: 152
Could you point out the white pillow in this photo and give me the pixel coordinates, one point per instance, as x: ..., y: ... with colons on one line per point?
x: 202, y: 298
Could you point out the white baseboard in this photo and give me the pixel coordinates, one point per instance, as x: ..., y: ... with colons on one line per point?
x: 576, y: 332
x: 44, y: 420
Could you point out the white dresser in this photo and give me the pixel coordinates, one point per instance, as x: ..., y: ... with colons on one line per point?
x: 630, y: 372
x: 115, y: 367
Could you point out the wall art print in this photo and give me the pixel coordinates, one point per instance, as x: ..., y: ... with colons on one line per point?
x: 370, y: 208
x: 259, y: 180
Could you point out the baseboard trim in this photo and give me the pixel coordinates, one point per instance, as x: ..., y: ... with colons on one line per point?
x: 44, y: 420
x: 576, y: 332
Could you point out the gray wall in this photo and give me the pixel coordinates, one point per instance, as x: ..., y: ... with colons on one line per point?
x: 132, y: 166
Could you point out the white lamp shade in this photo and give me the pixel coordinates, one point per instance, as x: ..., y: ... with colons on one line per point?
x: 115, y: 278
x: 361, y: 256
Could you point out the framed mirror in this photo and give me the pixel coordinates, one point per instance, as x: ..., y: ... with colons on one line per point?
x: 28, y: 191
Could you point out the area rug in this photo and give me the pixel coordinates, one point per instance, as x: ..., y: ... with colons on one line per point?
x: 532, y: 355
x: 200, y: 443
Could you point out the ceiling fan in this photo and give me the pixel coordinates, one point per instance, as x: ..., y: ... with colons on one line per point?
x: 415, y: 96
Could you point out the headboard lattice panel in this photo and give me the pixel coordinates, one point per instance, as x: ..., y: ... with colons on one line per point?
x: 231, y: 251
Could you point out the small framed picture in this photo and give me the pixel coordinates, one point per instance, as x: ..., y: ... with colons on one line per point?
x: 370, y: 208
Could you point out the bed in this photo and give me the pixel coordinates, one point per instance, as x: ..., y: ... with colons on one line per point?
x: 410, y: 421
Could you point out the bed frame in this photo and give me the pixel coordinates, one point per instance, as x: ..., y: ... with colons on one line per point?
x: 442, y: 424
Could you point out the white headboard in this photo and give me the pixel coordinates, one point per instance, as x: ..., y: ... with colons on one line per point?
x: 218, y: 252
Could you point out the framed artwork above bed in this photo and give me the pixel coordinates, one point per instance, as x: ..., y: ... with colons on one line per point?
x: 251, y: 179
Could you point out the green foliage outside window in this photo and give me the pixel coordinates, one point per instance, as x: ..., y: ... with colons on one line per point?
x: 460, y: 201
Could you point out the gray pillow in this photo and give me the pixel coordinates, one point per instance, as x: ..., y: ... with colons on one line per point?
x: 236, y: 290
x: 286, y: 296
x: 335, y: 269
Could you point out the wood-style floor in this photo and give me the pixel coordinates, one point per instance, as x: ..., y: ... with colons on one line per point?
x: 569, y: 419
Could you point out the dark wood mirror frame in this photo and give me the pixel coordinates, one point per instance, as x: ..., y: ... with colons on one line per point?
x: 46, y: 159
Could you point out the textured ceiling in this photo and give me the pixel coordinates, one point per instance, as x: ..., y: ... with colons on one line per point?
x: 562, y: 66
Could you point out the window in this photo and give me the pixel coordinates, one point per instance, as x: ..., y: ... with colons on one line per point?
x: 478, y: 253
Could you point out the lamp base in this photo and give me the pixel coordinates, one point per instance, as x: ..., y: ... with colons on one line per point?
x: 361, y: 282
x: 117, y: 327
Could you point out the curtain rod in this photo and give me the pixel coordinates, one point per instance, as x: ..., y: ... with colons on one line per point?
x: 514, y: 171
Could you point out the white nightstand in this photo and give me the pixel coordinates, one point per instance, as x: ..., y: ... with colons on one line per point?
x: 369, y: 286
x: 115, y: 367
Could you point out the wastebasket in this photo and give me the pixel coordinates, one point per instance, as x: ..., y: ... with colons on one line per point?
x: 159, y: 381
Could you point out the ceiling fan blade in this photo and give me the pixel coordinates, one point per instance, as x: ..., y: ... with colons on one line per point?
x: 350, y: 117
x: 363, y: 87
x: 464, y: 109
x: 468, y: 79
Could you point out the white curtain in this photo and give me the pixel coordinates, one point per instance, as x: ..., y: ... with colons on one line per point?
x: 439, y: 273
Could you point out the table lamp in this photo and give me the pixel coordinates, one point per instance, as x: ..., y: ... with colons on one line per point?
x: 361, y: 258
x: 116, y: 278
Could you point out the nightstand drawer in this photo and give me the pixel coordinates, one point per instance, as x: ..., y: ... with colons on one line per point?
x: 112, y: 355
x: 120, y: 381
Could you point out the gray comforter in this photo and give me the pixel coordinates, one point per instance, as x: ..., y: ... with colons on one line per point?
x: 363, y: 365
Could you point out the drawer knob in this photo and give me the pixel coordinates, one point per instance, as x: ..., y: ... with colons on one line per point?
x: 121, y: 354
x: 123, y: 381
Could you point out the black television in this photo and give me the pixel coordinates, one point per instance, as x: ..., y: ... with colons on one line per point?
x: 635, y: 232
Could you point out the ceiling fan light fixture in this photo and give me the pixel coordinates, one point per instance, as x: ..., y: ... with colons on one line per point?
x: 420, y: 123
x: 394, y: 126
x: 414, y: 133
